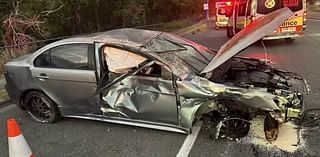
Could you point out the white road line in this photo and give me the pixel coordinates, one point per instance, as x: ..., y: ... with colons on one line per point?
x: 314, y: 35
x: 313, y: 19
x: 189, y: 141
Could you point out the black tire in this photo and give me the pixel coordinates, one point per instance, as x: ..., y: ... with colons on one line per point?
x: 230, y: 33
x: 41, y: 108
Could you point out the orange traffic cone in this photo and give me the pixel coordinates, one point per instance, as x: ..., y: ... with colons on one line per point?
x: 18, y: 147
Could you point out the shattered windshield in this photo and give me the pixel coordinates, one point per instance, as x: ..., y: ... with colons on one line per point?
x: 194, y: 58
x: 162, y: 44
x: 182, y: 51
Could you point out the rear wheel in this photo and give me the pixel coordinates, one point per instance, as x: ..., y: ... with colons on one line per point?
x: 41, y: 108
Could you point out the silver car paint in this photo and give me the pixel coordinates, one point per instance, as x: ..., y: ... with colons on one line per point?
x: 144, y: 98
x: 186, y: 95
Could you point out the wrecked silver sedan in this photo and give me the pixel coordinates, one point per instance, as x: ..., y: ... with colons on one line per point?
x: 158, y: 80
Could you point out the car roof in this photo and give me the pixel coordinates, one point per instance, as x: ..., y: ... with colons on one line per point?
x: 129, y: 37
x: 125, y: 36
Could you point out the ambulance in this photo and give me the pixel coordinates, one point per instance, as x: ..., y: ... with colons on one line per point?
x: 221, y: 19
x: 243, y: 12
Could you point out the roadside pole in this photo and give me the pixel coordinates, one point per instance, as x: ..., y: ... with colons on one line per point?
x: 206, y: 8
x: 208, y: 15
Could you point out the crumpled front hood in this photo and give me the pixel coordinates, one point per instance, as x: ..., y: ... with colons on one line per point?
x: 247, y: 36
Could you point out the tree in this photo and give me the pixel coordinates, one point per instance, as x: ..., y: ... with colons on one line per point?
x: 20, y: 29
x: 52, y: 18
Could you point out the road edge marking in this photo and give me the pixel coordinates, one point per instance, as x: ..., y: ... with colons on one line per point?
x: 313, y: 19
x: 189, y: 141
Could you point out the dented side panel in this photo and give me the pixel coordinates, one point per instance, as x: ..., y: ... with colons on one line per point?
x: 145, y: 98
x: 251, y: 97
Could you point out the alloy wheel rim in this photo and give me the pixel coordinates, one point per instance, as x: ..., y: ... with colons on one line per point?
x: 39, y: 108
x: 234, y: 128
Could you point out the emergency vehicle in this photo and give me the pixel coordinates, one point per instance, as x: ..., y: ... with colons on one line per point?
x: 221, y: 18
x: 243, y: 12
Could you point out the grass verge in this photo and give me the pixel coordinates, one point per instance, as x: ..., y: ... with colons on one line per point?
x: 169, y: 26
x: 4, y: 58
x: 175, y: 25
x: 313, y: 8
x: 3, y: 95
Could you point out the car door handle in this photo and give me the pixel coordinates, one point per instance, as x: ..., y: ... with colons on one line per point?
x: 42, y: 77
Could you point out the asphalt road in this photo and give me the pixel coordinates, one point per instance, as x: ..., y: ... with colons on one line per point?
x: 75, y: 137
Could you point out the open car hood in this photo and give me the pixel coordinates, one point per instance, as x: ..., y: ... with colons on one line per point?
x: 249, y: 35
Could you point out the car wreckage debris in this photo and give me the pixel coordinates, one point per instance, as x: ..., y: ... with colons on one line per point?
x: 165, y: 82
x: 234, y: 127
x: 231, y: 127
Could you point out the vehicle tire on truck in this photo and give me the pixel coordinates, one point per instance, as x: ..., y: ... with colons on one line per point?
x: 230, y: 33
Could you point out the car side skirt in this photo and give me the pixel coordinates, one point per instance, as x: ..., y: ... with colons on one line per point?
x: 131, y: 122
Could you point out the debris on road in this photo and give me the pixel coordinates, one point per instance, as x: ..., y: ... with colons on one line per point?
x: 287, y: 138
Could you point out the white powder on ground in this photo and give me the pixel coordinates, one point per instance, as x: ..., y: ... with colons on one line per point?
x: 286, y: 141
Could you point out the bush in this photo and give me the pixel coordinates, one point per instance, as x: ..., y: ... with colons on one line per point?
x: 4, y: 58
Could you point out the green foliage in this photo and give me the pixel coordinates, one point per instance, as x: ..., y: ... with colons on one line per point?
x: 84, y: 16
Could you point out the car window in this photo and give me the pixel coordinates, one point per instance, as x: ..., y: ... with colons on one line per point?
x: 43, y: 60
x: 71, y: 56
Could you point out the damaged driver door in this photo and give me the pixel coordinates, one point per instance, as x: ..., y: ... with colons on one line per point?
x: 142, y: 91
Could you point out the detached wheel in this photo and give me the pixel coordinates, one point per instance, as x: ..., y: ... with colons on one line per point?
x: 271, y: 128
x: 41, y: 108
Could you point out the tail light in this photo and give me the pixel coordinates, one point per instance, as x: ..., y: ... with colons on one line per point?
x: 304, y: 16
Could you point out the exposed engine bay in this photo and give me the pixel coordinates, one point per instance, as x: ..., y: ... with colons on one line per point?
x: 232, y: 121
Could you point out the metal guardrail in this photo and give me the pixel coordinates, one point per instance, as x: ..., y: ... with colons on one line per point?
x: 147, y: 26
